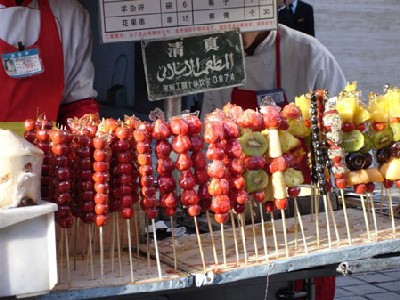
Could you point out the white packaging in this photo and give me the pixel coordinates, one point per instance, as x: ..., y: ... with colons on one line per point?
x: 20, y: 170
x: 28, y: 262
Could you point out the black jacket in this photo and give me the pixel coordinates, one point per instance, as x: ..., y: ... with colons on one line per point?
x: 303, y: 18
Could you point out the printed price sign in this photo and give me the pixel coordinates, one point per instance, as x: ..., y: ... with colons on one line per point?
x: 194, y: 64
x: 139, y: 20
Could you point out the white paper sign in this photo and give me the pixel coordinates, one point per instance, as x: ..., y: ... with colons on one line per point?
x: 138, y: 20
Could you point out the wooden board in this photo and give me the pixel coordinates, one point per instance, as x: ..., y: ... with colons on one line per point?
x: 190, y: 264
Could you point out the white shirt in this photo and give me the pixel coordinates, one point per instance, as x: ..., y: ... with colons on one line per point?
x: 23, y: 24
x: 306, y: 65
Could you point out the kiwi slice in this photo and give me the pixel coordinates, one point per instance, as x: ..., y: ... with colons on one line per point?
x: 253, y: 143
x: 255, y: 180
x: 352, y: 141
x: 396, y: 131
x: 368, y: 145
x: 382, y: 138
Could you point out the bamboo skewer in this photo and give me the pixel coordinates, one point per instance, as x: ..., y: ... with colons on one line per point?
x: 223, y: 244
x: 128, y: 228
x: 296, y: 229
x: 118, y: 245
x: 283, y: 216
x: 240, y: 221
x: 271, y: 214
x: 135, y: 220
x: 101, y: 255
x: 156, y: 248
x: 253, y: 228
x: 76, y: 223
x: 333, y: 218
x: 389, y: 193
x: 112, y: 250
x: 316, y: 199
x: 200, y: 244
x: 173, y: 243
x: 328, y: 227
x: 296, y: 207
x: 212, y: 237
x: 263, y: 231
x: 235, y: 237
x: 147, y: 244
x: 61, y: 254
x: 365, y: 216
x: 67, y: 255
x: 372, y: 204
x: 89, y: 255
x: 346, y: 219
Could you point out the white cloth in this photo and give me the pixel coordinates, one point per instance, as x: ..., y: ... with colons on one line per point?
x: 306, y: 65
x: 23, y: 24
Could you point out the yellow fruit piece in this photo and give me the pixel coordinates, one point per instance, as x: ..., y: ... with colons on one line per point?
x: 378, y: 108
x: 356, y: 177
x: 361, y: 115
x: 347, y: 108
x: 287, y: 141
x: 374, y: 175
x: 304, y: 103
x: 391, y: 169
x: 298, y: 128
x: 392, y: 97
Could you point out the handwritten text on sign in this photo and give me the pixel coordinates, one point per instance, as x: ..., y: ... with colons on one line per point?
x: 155, y: 19
x: 193, y: 64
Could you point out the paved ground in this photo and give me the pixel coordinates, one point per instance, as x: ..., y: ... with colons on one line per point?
x: 372, y: 286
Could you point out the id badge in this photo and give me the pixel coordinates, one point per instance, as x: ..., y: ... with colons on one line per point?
x: 277, y: 96
x: 22, y: 64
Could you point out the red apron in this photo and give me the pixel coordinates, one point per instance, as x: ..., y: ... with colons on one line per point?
x: 248, y: 98
x: 23, y: 98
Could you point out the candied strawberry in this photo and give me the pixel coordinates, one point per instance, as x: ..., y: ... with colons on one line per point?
x: 189, y: 197
x: 233, y: 148
x: 218, y: 187
x: 183, y: 162
x: 163, y: 149
x: 348, y: 126
x: 280, y: 203
x: 276, y: 164
x: 201, y: 176
x: 181, y: 144
x: 164, y: 166
x: 217, y: 169
x: 216, y: 151
x: 220, y: 204
x: 179, y: 126
x: 166, y: 184
x: 187, y: 180
x: 236, y: 166
x: 161, y: 130
x: 271, y: 116
x: 237, y: 182
x: 255, y: 162
x: 214, y: 132
x: 193, y: 210
x: 199, y: 161
x: 258, y: 196
x: 291, y: 111
x: 203, y: 192
x: 251, y: 119
x: 221, y: 218
x: 231, y: 129
x: 197, y: 142
x: 269, y: 206
x: 360, y: 188
x: 293, y: 191
x: 194, y: 124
